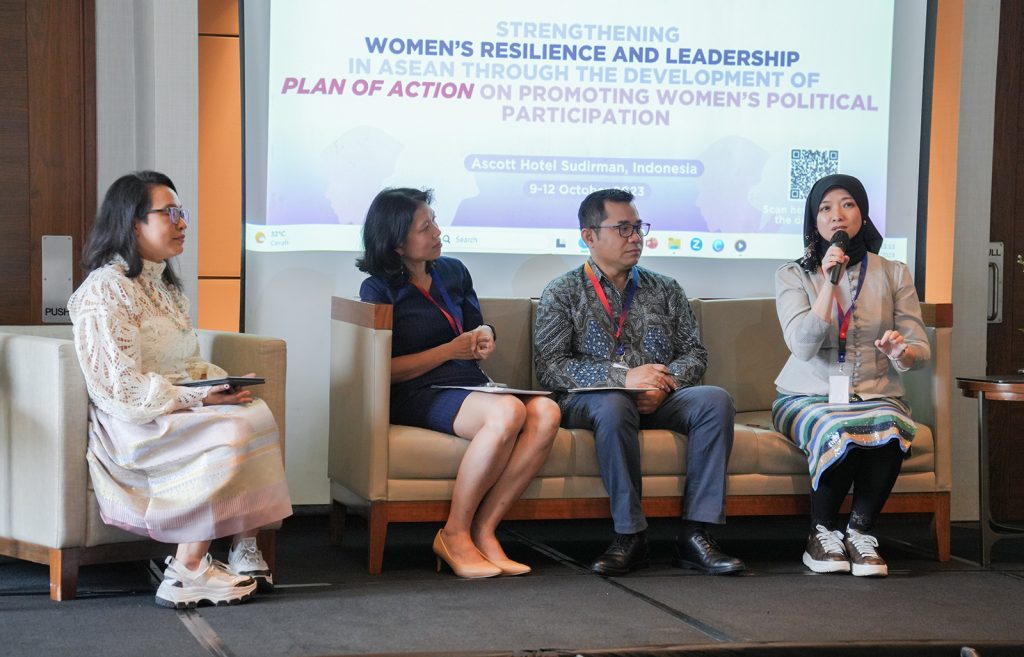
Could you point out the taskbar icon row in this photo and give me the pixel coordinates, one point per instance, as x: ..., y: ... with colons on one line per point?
x: 694, y: 244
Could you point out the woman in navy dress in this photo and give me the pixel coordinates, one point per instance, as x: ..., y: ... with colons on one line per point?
x: 438, y: 335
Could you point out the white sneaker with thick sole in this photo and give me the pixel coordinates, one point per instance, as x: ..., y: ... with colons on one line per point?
x: 825, y: 552
x: 864, y: 557
x: 209, y: 584
x: 245, y: 558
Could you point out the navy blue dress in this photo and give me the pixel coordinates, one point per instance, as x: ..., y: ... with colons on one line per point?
x: 419, y: 325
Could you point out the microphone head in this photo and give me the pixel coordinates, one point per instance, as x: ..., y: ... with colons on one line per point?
x: 840, y: 239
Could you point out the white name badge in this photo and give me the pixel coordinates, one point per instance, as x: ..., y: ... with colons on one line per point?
x: 839, y: 389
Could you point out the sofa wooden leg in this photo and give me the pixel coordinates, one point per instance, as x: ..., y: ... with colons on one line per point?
x: 266, y: 540
x: 64, y: 565
x: 337, y: 522
x: 940, y: 526
x: 378, y: 535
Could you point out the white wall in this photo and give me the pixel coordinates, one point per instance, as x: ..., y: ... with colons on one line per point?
x: 147, y: 101
x: 971, y: 235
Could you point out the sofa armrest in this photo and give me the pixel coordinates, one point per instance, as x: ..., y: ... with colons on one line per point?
x: 929, y: 392
x: 240, y: 353
x: 360, y: 397
x: 44, y: 413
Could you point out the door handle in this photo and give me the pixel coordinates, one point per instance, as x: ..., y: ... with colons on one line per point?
x: 995, y: 283
x: 993, y: 287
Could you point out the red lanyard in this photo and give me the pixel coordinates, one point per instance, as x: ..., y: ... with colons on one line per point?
x: 844, y: 318
x: 452, y: 321
x: 603, y: 298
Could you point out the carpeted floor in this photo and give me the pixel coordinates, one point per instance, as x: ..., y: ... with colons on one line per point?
x: 326, y: 603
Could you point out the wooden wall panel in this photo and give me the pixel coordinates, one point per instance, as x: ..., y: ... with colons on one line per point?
x: 220, y: 157
x: 218, y: 304
x: 218, y: 17
x: 47, y: 141
x: 15, y: 224
x: 220, y: 166
x: 1005, y: 340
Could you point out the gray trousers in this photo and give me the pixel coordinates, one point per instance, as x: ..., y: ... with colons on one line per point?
x: 704, y: 413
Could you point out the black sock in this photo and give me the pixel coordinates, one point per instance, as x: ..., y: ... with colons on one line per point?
x: 690, y: 527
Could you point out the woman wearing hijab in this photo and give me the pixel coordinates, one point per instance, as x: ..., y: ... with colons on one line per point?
x: 840, y: 394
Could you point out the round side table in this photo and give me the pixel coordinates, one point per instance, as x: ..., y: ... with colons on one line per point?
x: 1008, y: 388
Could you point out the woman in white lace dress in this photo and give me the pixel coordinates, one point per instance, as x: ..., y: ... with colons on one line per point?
x: 179, y: 464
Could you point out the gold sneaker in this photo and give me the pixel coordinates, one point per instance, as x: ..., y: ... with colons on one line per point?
x: 864, y: 558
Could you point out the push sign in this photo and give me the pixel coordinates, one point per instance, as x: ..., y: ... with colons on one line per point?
x: 57, y: 281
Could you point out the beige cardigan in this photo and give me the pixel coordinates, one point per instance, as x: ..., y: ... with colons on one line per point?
x: 887, y: 300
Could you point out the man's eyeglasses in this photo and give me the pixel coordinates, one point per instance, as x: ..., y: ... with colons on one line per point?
x: 627, y: 230
x: 174, y: 215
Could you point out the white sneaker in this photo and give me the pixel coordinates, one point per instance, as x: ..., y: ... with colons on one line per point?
x: 825, y: 552
x: 245, y: 559
x: 210, y: 583
x: 863, y: 556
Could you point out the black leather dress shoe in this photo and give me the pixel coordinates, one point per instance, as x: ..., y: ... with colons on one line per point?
x: 699, y: 551
x: 626, y: 553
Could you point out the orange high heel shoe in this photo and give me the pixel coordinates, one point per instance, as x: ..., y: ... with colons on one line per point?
x: 510, y: 568
x: 467, y: 570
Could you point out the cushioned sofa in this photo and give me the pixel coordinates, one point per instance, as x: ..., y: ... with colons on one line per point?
x: 396, y: 473
x: 48, y: 512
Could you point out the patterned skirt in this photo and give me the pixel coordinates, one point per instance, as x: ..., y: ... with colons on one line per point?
x: 825, y: 432
x: 188, y: 476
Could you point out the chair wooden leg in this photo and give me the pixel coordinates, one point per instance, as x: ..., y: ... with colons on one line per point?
x: 378, y: 535
x: 64, y: 565
x: 266, y: 541
x: 337, y: 522
x: 940, y: 526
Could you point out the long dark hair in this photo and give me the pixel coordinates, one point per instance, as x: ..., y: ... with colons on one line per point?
x: 113, y: 232
x: 387, y: 224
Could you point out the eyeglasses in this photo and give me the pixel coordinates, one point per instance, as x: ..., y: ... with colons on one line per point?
x: 174, y: 215
x: 627, y: 230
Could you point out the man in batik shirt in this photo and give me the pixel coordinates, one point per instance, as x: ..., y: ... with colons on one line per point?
x: 611, y: 324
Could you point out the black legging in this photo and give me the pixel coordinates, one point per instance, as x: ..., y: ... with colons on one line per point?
x: 872, y: 472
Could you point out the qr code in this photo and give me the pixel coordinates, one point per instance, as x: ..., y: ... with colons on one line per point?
x: 806, y: 166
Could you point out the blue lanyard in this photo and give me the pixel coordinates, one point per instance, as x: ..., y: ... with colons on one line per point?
x: 454, y: 313
x: 842, y: 318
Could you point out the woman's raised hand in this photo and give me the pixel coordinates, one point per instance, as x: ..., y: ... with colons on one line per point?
x: 464, y: 346
x: 892, y: 345
x: 484, y: 342
x: 834, y: 257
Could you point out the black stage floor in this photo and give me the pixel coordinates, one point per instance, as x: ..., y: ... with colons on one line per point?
x: 326, y: 603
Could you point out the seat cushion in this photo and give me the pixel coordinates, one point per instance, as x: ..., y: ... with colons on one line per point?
x: 757, y: 450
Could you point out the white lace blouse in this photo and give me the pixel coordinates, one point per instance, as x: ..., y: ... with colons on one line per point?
x: 135, y: 341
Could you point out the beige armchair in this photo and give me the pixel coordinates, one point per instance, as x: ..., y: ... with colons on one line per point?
x: 48, y: 512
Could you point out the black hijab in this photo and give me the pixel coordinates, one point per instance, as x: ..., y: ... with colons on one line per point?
x: 867, y: 238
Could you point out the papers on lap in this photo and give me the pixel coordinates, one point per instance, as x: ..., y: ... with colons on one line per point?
x: 495, y: 389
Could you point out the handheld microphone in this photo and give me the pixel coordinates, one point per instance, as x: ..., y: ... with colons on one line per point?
x: 842, y: 240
